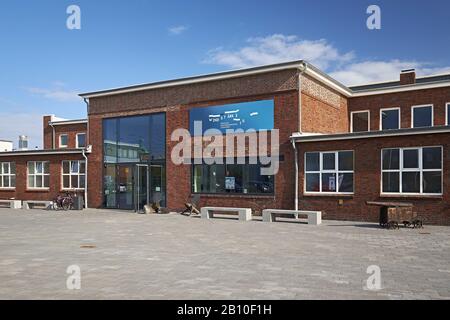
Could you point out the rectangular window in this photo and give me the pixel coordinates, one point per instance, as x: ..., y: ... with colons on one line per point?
x: 7, y: 175
x: 81, y: 140
x: 360, y: 121
x: 412, y: 170
x: 38, y: 174
x: 390, y: 119
x: 329, y: 172
x: 63, y: 140
x: 73, y: 174
x: 422, y: 116
x: 231, y: 178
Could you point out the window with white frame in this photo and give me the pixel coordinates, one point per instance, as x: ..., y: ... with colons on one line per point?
x: 329, y: 172
x: 360, y: 121
x: 389, y: 118
x: 422, y: 116
x: 81, y: 140
x: 63, y: 140
x: 73, y: 174
x: 7, y: 175
x: 38, y: 174
x: 412, y: 170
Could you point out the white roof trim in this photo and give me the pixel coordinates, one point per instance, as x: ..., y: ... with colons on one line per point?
x: 197, y: 79
x: 38, y: 152
x: 402, y: 88
x: 316, y: 75
x: 67, y: 122
x: 310, y: 70
x: 379, y: 134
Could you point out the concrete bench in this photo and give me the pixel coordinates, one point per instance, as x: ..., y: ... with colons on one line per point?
x: 13, y: 204
x: 314, y: 217
x: 245, y: 214
x: 26, y: 204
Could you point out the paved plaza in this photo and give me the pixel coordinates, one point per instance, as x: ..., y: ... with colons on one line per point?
x: 123, y: 255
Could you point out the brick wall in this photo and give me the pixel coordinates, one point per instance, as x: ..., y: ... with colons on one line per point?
x: 404, y: 100
x: 435, y: 209
x: 70, y: 129
x: 323, y: 109
x: 21, y: 192
x: 178, y: 181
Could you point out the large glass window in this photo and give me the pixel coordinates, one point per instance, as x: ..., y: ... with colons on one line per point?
x: 422, y: 116
x: 137, y: 139
x: 231, y: 178
x: 7, y: 175
x: 412, y: 170
x: 360, y: 121
x: 38, y: 174
x: 329, y: 172
x: 390, y: 119
x: 73, y: 174
x: 128, y: 141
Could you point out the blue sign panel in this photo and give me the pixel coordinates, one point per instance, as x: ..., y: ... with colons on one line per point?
x: 257, y: 115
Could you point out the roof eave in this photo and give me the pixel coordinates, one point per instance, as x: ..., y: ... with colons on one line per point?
x: 371, y: 134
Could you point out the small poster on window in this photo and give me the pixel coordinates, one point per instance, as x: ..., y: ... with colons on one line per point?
x: 332, y: 183
x: 230, y: 183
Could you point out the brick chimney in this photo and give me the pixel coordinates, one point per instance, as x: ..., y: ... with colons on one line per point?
x: 408, y: 76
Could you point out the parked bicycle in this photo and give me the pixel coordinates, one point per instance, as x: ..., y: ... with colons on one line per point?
x: 64, y: 202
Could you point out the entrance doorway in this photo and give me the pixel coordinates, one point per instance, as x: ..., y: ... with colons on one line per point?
x: 132, y: 186
x: 142, y: 195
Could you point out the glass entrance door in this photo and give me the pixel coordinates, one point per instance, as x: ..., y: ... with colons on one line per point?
x: 156, y: 184
x: 141, y: 187
x: 125, y: 187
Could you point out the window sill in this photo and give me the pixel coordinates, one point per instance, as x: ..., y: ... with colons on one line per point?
x: 413, y: 196
x: 38, y: 190
x: 7, y: 189
x: 324, y: 194
x: 233, y: 195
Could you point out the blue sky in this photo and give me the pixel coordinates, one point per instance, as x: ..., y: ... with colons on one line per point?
x: 43, y: 65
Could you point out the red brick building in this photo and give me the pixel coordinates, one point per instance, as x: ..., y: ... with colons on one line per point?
x: 339, y: 147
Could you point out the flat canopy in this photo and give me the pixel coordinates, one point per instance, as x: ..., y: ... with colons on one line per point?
x: 389, y: 204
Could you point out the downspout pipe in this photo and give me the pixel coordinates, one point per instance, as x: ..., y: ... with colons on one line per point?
x: 53, y: 134
x: 302, y: 68
x: 86, y: 159
x: 85, y: 179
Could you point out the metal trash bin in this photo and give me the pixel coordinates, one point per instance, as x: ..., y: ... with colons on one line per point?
x: 78, y: 203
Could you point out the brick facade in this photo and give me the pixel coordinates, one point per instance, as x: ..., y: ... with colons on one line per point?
x: 367, y: 179
x: 21, y: 191
x: 317, y: 109
x: 438, y: 97
x: 71, y: 130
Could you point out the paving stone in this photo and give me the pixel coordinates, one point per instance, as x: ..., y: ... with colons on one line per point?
x: 177, y: 257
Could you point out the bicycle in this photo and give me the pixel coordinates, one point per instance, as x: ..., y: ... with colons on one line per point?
x: 63, y: 202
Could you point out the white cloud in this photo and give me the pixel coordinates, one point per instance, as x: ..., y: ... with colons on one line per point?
x: 279, y: 48
x: 56, y: 92
x: 176, y: 30
x: 15, y: 124
x: 343, y: 66
x: 378, y: 71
